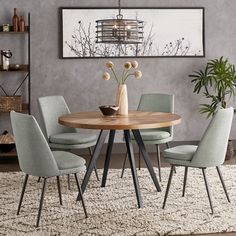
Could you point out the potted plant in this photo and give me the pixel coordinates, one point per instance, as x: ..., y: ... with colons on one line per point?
x: 217, y: 82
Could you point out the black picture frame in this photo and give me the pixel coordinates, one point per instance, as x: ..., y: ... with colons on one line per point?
x: 77, y: 20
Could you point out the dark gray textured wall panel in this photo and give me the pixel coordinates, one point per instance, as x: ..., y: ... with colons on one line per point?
x: 79, y: 81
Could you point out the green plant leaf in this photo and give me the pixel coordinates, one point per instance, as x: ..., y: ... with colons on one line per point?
x: 217, y: 82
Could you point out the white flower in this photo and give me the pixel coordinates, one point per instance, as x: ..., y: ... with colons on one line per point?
x: 138, y: 74
x: 109, y: 64
x: 127, y: 65
x: 106, y: 76
x: 134, y: 64
x: 128, y: 71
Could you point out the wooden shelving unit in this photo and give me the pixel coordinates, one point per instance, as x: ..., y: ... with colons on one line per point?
x: 16, y: 68
x: 9, y: 154
x: 24, y: 69
x: 13, y: 32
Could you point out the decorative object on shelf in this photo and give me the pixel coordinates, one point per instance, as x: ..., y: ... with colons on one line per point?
x: 22, y: 24
x: 5, y: 27
x: 119, y: 30
x: 218, y: 83
x: 7, y: 142
x: 121, y: 95
x: 109, y: 110
x: 15, y: 21
x: 9, y: 103
x: 168, y: 32
x: 14, y: 67
x: 5, y: 59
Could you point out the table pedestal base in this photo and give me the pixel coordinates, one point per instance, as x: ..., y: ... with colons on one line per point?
x: 101, y: 139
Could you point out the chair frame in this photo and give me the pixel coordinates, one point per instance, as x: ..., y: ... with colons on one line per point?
x: 43, y: 194
x: 205, y: 181
x: 210, y: 152
x: 36, y: 158
x: 47, y: 133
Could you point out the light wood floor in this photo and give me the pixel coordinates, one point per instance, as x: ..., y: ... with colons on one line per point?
x: 11, y: 164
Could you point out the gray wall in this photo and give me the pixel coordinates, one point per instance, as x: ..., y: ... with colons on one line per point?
x: 79, y: 81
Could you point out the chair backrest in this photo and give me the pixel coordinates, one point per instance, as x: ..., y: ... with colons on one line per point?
x: 213, y: 145
x: 34, y: 154
x: 50, y: 108
x: 157, y: 102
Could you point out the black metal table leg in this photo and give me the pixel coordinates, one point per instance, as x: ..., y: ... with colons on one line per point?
x: 81, y: 195
x: 95, y: 168
x: 159, y: 161
x: 133, y: 167
x: 123, y: 168
x: 108, y: 157
x: 146, y: 158
x: 101, y: 139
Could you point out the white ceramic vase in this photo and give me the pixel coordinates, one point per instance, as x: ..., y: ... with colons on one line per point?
x: 122, y: 99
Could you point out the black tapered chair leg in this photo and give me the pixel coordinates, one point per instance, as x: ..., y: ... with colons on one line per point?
x: 95, y: 168
x: 168, y: 186
x: 222, y: 182
x: 158, y: 161
x: 185, y: 180
x: 81, y: 195
x: 175, y: 170
x: 139, y: 159
x: 207, y: 188
x: 96, y: 173
x: 123, y: 168
x: 59, y: 189
x: 22, y: 193
x: 68, y: 181
x: 41, y: 201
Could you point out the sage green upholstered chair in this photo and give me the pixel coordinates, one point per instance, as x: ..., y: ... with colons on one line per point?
x: 36, y: 158
x: 61, y: 137
x: 209, y: 153
x: 155, y: 102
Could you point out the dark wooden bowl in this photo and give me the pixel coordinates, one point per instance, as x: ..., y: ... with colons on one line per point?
x: 109, y: 110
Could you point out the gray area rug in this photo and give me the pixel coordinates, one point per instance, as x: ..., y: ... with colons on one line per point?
x: 113, y: 211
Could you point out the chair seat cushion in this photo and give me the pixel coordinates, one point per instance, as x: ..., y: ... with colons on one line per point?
x: 153, y: 134
x: 182, y: 152
x: 72, y: 138
x: 68, y: 160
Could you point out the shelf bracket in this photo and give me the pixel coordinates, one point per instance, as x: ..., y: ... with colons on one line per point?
x: 20, y: 84
x: 3, y: 90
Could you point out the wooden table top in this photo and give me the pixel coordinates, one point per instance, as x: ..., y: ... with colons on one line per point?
x: 134, y: 120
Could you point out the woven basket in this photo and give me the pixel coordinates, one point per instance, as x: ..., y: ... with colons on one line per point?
x: 7, y: 142
x: 9, y: 103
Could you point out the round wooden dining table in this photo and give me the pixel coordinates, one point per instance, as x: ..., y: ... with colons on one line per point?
x: 133, y: 122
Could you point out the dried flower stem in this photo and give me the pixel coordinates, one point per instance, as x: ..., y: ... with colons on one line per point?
x: 115, y: 75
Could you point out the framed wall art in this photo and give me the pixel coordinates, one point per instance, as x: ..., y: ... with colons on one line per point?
x: 167, y: 32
